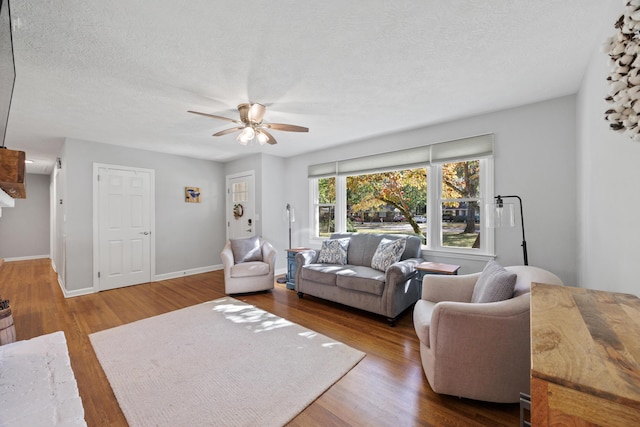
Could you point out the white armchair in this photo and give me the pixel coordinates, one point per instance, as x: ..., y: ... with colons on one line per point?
x: 477, y: 350
x: 248, y: 276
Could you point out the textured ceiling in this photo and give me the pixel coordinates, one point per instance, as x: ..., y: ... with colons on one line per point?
x: 126, y: 72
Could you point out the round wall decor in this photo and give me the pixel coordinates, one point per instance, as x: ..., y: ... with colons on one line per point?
x: 238, y: 211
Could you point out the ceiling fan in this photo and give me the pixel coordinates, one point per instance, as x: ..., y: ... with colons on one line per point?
x: 252, y: 126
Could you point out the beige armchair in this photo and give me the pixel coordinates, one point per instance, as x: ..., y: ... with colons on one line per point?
x: 477, y: 350
x: 248, y: 276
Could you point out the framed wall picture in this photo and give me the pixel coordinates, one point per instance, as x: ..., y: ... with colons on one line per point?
x: 192, y: 194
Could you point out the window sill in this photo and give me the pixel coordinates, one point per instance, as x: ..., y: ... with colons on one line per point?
x: 457, y: 255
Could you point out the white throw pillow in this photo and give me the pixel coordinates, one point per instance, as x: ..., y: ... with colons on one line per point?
x: 494, y: 284
x: 388, y: 252
x: 334, y: 251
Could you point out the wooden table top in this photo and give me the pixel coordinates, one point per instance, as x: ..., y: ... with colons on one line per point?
x: 438, y: 267
x: 587, y: 340
x: 298, y: 249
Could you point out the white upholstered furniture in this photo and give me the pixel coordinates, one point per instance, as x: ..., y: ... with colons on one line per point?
x: 477, y: 350
x: 248, y: 276
x: 37, y: 384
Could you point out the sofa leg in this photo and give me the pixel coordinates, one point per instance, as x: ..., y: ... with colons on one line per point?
x: 300, y: 294
x: 392, y: 321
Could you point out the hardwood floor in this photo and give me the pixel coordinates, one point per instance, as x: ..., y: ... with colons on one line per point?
x: 387, y: 388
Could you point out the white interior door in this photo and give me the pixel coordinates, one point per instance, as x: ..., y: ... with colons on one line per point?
x: 240, y: 206
x: 124, y: 226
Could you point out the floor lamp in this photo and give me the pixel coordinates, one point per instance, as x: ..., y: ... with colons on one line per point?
x: 289, y: 213
x: 501, y: 215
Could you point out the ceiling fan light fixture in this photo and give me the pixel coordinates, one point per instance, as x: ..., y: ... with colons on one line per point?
x: 262, y: 138
x: 246, y: 135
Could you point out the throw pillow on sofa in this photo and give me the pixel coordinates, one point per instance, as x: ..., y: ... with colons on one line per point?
x: 334, y: 251
x: 388, y: 252
x: 494, y: 284
x: 245, y: 250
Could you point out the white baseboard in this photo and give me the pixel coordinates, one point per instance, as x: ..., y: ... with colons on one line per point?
x: 156, y: 278
x: 190, y: 272
x: 76, y: 292
x: 26, y: 258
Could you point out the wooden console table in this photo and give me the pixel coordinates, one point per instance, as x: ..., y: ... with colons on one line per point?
x: 585, y: 348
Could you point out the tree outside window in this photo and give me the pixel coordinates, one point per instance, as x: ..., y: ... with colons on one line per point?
x: 326, y: 205
x: 460, y: 204
x: 396, y: 196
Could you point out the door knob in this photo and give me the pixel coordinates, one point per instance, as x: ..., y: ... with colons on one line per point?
x: 146, y: 233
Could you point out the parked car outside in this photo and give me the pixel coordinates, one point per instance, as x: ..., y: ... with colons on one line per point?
x: 399, y: 218
x: 420, y: 219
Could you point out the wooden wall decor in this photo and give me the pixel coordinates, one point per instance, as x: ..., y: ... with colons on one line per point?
x: 12, y: 176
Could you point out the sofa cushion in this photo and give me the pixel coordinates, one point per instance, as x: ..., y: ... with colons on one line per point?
x: 362, y: 279
x: 363, y: 246
x: 334, y: 251
x: 322, y: 273
x: 248, y: 269
x: 387, y: 253
x: 245, y: 250
x: 494, y: 284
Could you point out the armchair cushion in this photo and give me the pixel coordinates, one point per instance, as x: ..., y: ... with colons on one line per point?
x: 494, y: 284
x: 246, y: 250
x: 387, y: 253
x: 334, y: 251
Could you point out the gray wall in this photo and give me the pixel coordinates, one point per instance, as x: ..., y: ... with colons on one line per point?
x: 24, y: 229
x: 608, y: 205
x: 534, y: 158
x: 188, y: 235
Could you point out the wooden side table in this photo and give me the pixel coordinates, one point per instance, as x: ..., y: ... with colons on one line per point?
x: 425, y: 268
x: 292, y: 266
x: 437, y: 268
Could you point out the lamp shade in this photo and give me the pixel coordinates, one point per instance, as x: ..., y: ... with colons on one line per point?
x: 500, y: 215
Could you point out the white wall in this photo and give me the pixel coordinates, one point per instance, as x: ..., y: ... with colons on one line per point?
x: 270, y: 199
x: 24, y: 228
x: 534, y: 158
x: 607, y: 182
x: 188, y: 235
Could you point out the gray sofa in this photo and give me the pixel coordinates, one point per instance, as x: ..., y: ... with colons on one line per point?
x: 356, y: 284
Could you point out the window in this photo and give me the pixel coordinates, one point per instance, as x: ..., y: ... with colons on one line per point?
x: 388, y: 193
x: 388, y: 202
x: 460, y: 204
x: 325, y: 206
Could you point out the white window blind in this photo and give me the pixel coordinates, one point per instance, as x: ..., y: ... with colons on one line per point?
x: 460, y: 149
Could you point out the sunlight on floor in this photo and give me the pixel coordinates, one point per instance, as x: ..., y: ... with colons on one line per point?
x: 256, y: 319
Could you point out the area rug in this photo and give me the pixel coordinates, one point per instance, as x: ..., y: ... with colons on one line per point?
x: 223, y: 363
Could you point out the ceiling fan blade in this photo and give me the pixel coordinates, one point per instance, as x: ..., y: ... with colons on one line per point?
x: 285, y: 127
x: 227, y: 131
x: 256, y: 113
x: 214, y: 116
x: 270, y: 139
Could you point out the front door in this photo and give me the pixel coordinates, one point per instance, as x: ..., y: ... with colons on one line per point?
x: 124, y: 226
x: 240, y: 206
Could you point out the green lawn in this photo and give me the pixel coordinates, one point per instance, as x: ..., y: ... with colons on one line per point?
x: 451, y: 237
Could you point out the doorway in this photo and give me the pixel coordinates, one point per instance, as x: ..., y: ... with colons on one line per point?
x: 241, y: 205
x: 123, y: 226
